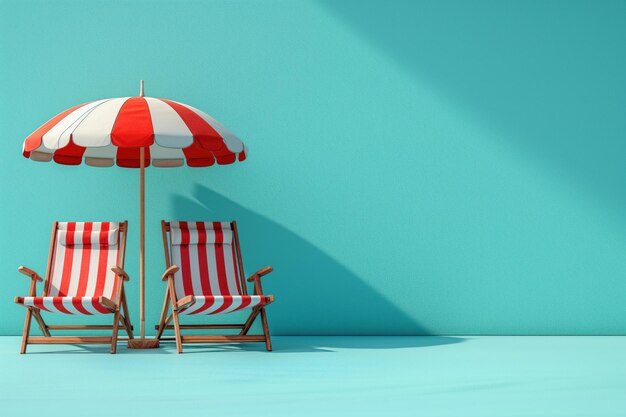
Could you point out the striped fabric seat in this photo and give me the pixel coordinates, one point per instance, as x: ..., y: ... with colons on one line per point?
x: 81, y: 280
x: 206, y: 256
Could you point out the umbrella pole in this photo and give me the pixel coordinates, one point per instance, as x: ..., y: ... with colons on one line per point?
x: 142, y: 240
x: 142, y: 342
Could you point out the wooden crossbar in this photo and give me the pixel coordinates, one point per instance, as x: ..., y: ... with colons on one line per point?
x: 203, y: 326
x: 217, y: 339
x: 83, y: 327
x: 43, y: 340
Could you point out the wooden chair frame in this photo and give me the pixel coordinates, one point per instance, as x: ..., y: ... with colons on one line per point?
x: 178, y: 304
x: 119, y: 317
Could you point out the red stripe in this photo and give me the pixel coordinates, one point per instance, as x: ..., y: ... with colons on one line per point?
x: 33, y: 141
x: 206, y: 140
x: 225, y: 159
x: 242, y: 156
x: 219, y: 235
x: 245, y: 302
x: 103, y: 268
x: 195, y: 161
x: 184, y: 259
x: 58, y: 303
x: 129, y: 157
x: 104, y: 233
x: 38, y: 302
x: 208, y: 302
x: 133, y: 125
x: 70, y: 154
x: 96, y: 304
x: 203, y: 133
x: 185, y: 237
x: 67, y: 260
x: 228, y: 301
x: 83, y: 278
x: 203, y: 264
x: 232, y: 247
x: 78, y: 305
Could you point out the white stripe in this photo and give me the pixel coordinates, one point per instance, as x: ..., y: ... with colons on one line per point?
x: 178, y: 276
x: 49, y: 305
x: 110, y: 275
x: 170, y: 131
x: 159, y: 152
x: 212, y: 264
x: 233, y: 143
x: 65, y: 136
x: 29, y: 301
x: 194, y: 263
x: 95, y: 130
x: 229, y: 265
x: 67, y: 303
x: 57, y: 271
x: 255, y: 300
x: 88, y: 305
x: 109, y: 152
x: 63, y: 225
x: 59, y: 135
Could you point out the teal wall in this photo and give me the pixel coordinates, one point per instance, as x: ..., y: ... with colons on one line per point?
x: 435, y: 167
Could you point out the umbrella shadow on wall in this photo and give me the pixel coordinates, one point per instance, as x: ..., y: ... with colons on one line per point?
x: 315, y: 295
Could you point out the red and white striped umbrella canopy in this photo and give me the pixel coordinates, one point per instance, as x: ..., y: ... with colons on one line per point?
x: 111, y: 131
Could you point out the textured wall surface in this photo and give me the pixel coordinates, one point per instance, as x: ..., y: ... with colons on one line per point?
x: 415, y: 168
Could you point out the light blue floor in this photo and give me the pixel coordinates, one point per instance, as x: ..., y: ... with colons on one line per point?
x: 317, y: 376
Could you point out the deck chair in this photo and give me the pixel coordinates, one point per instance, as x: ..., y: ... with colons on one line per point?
x: 84, y: 276
x: 205, y: 276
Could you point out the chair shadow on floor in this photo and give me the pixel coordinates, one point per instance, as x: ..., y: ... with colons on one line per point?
x: 327, y: 344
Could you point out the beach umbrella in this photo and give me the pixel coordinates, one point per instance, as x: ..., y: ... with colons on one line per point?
x: 135, y: 132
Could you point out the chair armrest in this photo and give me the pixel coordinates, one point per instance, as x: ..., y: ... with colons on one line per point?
x: 185, y: 301
x: 30, y: 273
x: 120, y: 272
x: 258, y: 274
x: 169, y: 272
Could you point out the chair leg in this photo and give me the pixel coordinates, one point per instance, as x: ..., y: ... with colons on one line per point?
x: 266, y: 330
x: 126, y: 317
x: 116, y: 320
x: 163, y: 318
x: 179, y: 341
x: 248, y: 323
x: 41, y: 323
x: 29, y: 315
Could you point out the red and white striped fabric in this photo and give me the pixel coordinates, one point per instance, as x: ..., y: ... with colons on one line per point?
x: 83, y: 256
x: 111, y: 131
x: 206, y: 256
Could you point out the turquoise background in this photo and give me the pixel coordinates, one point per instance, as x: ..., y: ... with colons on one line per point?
x: 440, y: 167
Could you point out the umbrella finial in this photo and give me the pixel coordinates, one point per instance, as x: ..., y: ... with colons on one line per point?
x: 141, y: 88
